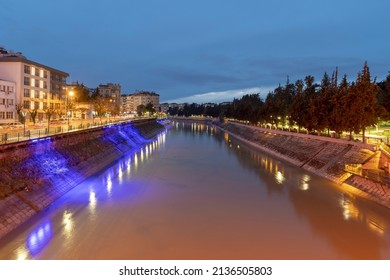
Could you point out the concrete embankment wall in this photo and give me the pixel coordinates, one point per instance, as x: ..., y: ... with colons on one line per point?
x: 34, y: 174
x: 323, y: 156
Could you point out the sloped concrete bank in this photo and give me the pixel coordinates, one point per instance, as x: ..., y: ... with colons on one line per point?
x: 326, y: 157
x: 34, y: 174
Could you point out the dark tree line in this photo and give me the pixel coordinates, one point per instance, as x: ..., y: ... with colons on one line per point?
x: 330, y: 105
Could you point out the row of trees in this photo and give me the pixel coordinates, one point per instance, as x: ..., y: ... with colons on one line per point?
x: 329, y: 105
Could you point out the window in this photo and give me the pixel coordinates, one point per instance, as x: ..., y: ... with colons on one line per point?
x: 45, y: 74
x: 26, y: 92
x: 43, y: 95
x: 44, y: 105
x: 10, y: 102
x: 44, y: 84
x: 27, y: 69
x: 37, y: 72
x: 36, y: 83
x: 26, y: 105
x: 57, y: 106
x: 2, y: 115
x: 10, y: 115
x: 26, y: 81
x: 36, y: 105
x: 51, y: 106
x: 2, y: 101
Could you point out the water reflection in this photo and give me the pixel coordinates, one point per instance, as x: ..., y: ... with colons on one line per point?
x: 68, y: 224
x: 21, y: 254
x: 92, y: 201
x: 356, y: 233
x: 305, y: 182
x: 38, y: 238
x: 215, y: 197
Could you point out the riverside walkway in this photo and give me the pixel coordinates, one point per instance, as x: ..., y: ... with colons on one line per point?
x: 37, y: 131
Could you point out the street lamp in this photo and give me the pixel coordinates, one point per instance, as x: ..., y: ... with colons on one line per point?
x: 94, y: 113
x: 68, y: 95
x: 24, y: 113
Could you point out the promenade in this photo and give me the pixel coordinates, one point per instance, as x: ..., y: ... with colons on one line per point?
x: 12, y: 134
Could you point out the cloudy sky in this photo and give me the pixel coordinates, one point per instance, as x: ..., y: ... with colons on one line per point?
x: 200, y: 51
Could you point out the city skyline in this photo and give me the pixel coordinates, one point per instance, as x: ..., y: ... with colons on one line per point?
x: 199, y: 51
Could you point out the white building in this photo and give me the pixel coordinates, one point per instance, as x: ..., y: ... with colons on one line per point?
x: 130, y: 102
x: 7, y: 102
x: 37, y: 87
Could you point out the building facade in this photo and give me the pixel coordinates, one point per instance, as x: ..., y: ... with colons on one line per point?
x: 38, y: 87
x: 111, y: 92
x: 7, y: 102
x: 130, y: 102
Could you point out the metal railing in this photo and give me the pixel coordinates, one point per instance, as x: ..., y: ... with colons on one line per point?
x: 36, y: 133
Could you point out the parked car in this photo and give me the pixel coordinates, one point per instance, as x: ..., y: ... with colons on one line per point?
x: 15, y: 125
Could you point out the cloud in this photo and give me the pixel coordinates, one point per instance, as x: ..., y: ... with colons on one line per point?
x: 220, y: 96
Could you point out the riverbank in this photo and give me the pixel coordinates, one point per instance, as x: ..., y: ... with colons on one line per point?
x: 326, y: 157
x: 36, y: 173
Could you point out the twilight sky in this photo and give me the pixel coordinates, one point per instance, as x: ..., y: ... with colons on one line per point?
x: 203, y: 50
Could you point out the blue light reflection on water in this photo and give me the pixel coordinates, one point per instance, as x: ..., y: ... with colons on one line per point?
x: 39, y: 237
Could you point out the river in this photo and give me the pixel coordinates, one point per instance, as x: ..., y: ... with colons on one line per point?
x: 195, y: 192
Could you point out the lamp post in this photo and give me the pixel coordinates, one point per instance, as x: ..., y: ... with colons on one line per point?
x: 94, y: 113
x: 24, y: 113
x: 68, y: 95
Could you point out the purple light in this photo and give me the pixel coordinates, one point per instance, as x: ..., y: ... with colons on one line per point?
x: 39, y: 238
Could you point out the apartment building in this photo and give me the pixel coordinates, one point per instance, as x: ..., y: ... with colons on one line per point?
x: 112, y: 92
x: 7, y: 102
x: 130, y: 102
x: 37, y: 87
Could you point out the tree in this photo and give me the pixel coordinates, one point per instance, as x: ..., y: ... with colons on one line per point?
x: 343, y: 116
x: 19, y: 108
x: 383, y: 96
x: 33, y: 114
x: 49, y: 114
x: 302, y: 112
x: 81, y: 93
x: 364, y: 91
x: 149, y: 108
x: 338, y: 103
x: 320, y: 108
x: 141, y: 110
x: 100, y: 106
x: 298, y: 106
